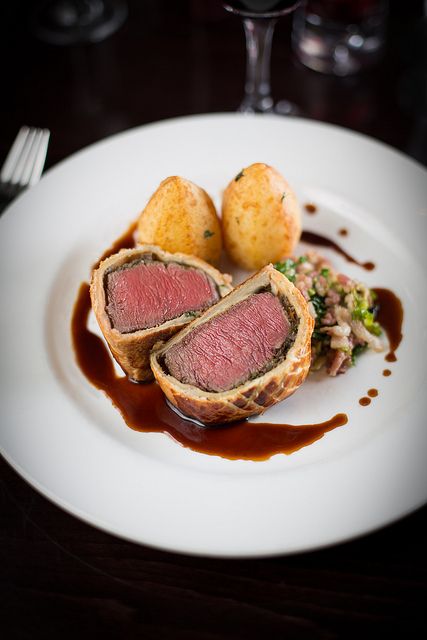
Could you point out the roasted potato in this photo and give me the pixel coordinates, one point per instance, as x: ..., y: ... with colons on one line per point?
x: 261, y: 218
x: 181, y: 217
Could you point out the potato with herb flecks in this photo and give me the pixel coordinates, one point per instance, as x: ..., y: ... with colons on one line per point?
x: 261, y: 218
x: 181, y: 217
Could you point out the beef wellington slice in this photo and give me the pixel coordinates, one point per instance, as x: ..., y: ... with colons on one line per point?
x: 144, y: 295
x: 245, y: 353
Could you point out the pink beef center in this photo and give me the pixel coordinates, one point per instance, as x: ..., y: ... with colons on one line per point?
x: 229, y: 349
x: 142, y: 296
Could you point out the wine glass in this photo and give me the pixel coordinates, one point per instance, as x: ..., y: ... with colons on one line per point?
x: 259, y: 19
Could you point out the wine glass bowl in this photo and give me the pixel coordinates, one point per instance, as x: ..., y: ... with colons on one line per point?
x: 259, y: 20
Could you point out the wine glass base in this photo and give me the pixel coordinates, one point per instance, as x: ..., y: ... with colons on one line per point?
x: 281, y: 108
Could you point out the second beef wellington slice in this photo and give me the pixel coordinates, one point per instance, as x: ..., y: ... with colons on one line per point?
x: 247, y: 352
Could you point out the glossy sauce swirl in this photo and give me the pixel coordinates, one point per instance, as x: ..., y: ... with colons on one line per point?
x: 143, y: 406
x: 322, y: 241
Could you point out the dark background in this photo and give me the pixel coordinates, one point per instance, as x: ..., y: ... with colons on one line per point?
x: 61, y: 577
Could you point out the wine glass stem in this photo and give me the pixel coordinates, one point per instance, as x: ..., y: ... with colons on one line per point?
x: 259, y: 36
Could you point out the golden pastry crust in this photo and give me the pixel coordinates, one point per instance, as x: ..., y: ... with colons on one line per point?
x: 254, y: 396
x: 132, y: 350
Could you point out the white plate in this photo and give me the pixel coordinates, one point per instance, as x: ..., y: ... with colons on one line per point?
x: 66, y: 439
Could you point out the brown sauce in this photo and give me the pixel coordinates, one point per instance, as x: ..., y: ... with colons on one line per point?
x: 323, y: 241
x: 386, y: 373
x: 343, y: 232
x: 143, y: 406
x: 390, y: 317
x: 372, y: 393
x: 310, y: 208
x: 391, y: 357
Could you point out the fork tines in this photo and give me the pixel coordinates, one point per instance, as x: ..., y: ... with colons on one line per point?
x: 25, y: 160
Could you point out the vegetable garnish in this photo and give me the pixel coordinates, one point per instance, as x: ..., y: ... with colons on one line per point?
x: 344, y: 311
x: 366, y: 314
x: 288, y: 268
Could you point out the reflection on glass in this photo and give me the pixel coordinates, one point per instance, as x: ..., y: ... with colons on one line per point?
x: 338, y: 36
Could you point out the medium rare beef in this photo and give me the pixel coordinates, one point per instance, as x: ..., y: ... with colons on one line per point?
x: 232, y: 347
x: 143, y: 295
x: 245, y: 353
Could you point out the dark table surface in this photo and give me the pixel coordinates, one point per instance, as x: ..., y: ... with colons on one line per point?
x: 58, y: 575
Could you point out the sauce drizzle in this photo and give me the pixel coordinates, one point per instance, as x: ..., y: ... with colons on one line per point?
x: 310, y: 208
x: 317, y: 239
x: 143, y: 406
x: 390, y: 317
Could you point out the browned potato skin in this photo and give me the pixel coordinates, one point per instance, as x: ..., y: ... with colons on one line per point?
x: 259, y: 224
x: 181, y: 217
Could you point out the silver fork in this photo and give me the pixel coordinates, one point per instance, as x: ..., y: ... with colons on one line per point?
x: 24, y: 163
